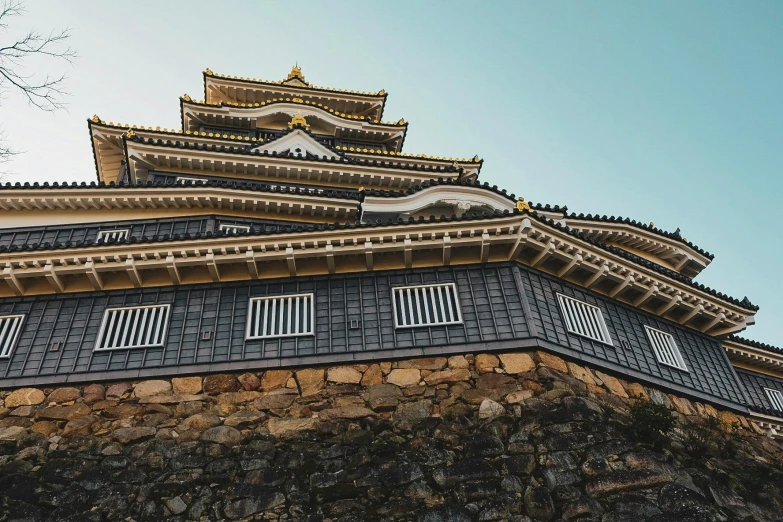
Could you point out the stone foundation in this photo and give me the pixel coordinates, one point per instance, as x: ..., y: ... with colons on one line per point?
x: 483, y: 437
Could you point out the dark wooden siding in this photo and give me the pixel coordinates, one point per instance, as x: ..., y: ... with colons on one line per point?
x: 504, y: 307
x: 754, y: 384
x: 709, y: 369
x: 88, y: 232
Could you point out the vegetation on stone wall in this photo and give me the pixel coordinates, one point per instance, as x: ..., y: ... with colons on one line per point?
x: 515, y: 437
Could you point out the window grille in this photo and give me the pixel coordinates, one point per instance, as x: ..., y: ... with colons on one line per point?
x: 280, y: 316
x: 231, y: 228
x: 427, y: 305
x: 10, y: 326
x: 665, y: 348
x: 185, y: 179
x: 776, y: 398
x: 112, y: 235
x: 133, y: 327
x: 584, y: 319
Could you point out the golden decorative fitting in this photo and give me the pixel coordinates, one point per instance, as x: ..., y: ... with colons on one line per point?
x: 522, y: 205
x: 186, y: 98
x: 382, y: 92
x: 96, y: 119
x: 298, y: 119
x: 361, y: 189
x: 296, y: 73
x: 652, y: 225
x: 476, y: 158
x: 401, y: 122
x: 130, y: 133
x: 208, y: 71
x: 297, y: 100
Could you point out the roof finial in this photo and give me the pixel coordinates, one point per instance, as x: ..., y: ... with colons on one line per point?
x: 296, y: 73
x: 523, y: 205
x: 298, y: 120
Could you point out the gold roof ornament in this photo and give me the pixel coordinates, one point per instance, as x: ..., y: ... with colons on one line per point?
x: 523, y: 205
x: 300, y: 120
x: 208, y: 71
x: 296, y: 74
x: 130, y: 133
x: 186, y: 98
x: 96, y: 119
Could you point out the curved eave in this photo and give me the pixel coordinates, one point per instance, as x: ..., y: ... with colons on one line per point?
x: 671, y: 253
x: 513, y: 236
x: 183, y: 158
x: 754, y: 355
x: 471, y: 166
x: 240, y: 90
x: 470, y: 195
x: 195, y: 115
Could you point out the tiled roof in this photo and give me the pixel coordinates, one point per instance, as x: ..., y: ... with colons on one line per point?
x: 755, y: 344
x: 249, y: 150
x: 282, y: 83
x: 436, y: 183
x: 612, y: 219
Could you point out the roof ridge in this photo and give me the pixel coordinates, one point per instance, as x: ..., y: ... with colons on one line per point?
x: 755, y: 344
x: 377, y: 94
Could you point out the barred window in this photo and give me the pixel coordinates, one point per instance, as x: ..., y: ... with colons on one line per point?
x: 133, y: 327
x: 665, y: 348
x: 426, y: 305
x: 185, y: 179
x: 280, y: 316
x: 113, y: 235
x: 10, y: 326
x: 584, y: 319
x: 776, y: 398
x: 233, y: 229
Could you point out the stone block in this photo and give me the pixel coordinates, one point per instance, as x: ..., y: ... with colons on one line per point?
x: 273, y: 379
x: 612, y: 384
x: 343, y: 375
x: 310, y: 380
x: 458, y: 362
x: 151, y: 388
x: 61, y: 395
x: 447, y: 376
x: 426, y: 363
x: 581, y: 373
x: 404, y: 377
x: 278, y: 426
x: 552, y: 361
x: 220, y: 383
x: 515, y: 363
x: 116, y: 391
x: 94, y: 393
x: 225, y: 435
x: 372, y: 376
x: 486, y: 363
x: 186, y: 385
x: 249, y: 381
x: 23, y: 397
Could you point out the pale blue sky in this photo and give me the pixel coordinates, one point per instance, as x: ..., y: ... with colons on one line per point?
x: 661, y: 111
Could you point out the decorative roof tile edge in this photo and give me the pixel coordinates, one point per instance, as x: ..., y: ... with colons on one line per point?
x: 401, y: 123
x: 378, y: 94
x: 755, y: 344
x: 650, y: 228
x: 744, y: 303
x: 249, y: 152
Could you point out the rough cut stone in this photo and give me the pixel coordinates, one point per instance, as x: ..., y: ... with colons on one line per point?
x: 241, y: 397
x: 310, y: 380
x: 201, y: 421
x: 273, y: 379
x: 80, y: 426
x: 12, y: 433
x: 581, y: 373
x: 552, y: 361
x: 515, y: 363
x: 225, y: 435
x: 249, y: 381
x: 151, y: 388
x: 538, y: 503
x: 116, y: 391
x: 176, y: 505
x: 94, y: 393
x: 186, y: 385
x: 277, y: 426
x: 23, y: 397
x: 344, y: 375
x: 128, y: 435
x: 372, y: 375
x: 222, y: 382
x: 448, y: 376
x: 347, y: 412
x: 458, y: 362
x: 244, y: 419
x: 636, y: 391
x: 427, y: 363
x: 63, y: 412
x: 518, y: 396
x: 466, y: 471
x: 627, y: 480
x: 411, y: 412
x: 404, y: 377
x: 490, y: 409
x: 61, y: 395
x: 613, y: 385
x: 45, y: 427
x: 486, y: 363
x: 276, y: 400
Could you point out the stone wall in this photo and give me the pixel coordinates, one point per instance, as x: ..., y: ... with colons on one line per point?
x: 482, y: 437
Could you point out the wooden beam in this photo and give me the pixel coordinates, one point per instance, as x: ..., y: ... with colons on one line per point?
x: 712, y: 324
x: 698, y: 309
x: 673, y: 302
x: 594, y: 279
x: 212, y: 267
x: 252, y: 266
x: 543, y: 255
x: 622, y: 286
x: 368, y: 260
x: 289, y: 257
x: 172, y: 269
x: 651, y: 292
x: 570, y: 267
x: 54, y: 280
x: 485, y: 243
x: 408, y: 253
x: 446, y: 250
x: 92, y: 274
x: 13, y: 282
x: 133, y: 272
x: 330, y: 257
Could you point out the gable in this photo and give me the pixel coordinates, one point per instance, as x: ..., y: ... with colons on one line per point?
x: 298, y: 142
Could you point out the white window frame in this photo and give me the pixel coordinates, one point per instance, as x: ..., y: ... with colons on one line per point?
x: 260, y: 317
x: 425, y: 321
x: 775, y: 398
x: 10, y: 330
x: 123, y: 233
x: 674, y: 350
x: 182, y: 179
x: 233, y: 228
x: 163, y: 328
x: 567, y: 304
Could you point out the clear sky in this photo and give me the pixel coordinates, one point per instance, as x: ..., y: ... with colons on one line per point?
x: 664, y: 111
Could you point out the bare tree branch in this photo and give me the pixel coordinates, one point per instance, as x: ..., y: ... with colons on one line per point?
x: 43, y: 92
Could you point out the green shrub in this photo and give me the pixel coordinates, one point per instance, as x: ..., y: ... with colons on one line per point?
x: 651, y: 422
x: 710, y: 434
